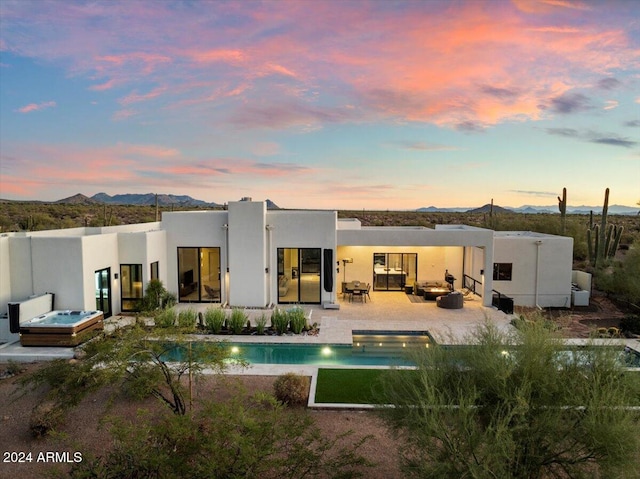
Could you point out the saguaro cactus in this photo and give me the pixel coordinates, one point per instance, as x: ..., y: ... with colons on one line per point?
x: 562, y: 206
x: 602, y: 240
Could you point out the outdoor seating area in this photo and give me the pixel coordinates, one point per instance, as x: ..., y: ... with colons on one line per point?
x: 430, y: 290
x: 357, y: 290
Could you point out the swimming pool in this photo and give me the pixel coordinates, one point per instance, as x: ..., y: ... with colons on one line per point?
x: 369, y: 348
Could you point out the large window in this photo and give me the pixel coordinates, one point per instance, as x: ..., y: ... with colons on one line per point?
x: 299, y: 275
x: 392, y: 271
x: 130, y: 286
x: 502, y: 271
x: 199, y: 275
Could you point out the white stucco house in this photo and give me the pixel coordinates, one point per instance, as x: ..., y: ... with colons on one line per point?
x: 249, y: 256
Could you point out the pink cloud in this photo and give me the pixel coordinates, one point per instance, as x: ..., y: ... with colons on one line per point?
x: 103, y: 86
x: 36, y: 107
x: 215, y: 55
x: 124, y: 114
x: 48, y: 167
x: 413, y: 61
x: 135, y: 97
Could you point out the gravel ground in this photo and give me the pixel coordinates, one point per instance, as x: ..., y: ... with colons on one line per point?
x: 82, y: 430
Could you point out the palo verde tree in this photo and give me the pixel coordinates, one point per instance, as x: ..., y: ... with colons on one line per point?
x: 515, y: 406
x: 161, y: 363
x: 243, y: 437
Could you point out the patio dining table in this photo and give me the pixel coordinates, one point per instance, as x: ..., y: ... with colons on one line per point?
x: 357, y: 288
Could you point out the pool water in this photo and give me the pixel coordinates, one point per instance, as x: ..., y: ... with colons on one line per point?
x: 369, y: 348
x: 62, y: 318
x: 381, y: 348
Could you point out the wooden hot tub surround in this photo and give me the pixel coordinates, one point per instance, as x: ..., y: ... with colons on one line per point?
x: 34, y: 334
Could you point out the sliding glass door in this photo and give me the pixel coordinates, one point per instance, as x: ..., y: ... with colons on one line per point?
x: 199, y: 275
x: 392, y: 271
x: 299, y: 275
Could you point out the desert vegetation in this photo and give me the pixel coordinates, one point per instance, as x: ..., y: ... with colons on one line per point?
x: 515, y: 405
x: 245, y: 433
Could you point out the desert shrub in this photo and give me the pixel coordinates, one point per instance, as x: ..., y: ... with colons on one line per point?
x: 261, y: 323
x: 13, y: 368
x: 214, y: 320
x: 279, y: 321
x: 166, y: 318
x: 156, y: 297
x: 45, y: 417
x: 237, y: 320
x: 297, y: 320
x: 530, y: 320
x: 630, y: 324
x: 253, y: 437
x: 187, y: 319
x: 292, y: 389
x: 169, y: 300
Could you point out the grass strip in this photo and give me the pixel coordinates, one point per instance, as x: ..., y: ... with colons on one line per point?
x: 351, y: 386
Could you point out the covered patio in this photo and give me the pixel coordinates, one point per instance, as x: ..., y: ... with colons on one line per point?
x: 397, y: 311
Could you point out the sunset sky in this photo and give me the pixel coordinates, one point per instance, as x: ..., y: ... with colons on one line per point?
x: 322, y: 104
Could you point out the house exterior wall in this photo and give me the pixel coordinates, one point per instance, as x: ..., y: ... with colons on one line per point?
x: 475, y: 267
x: 5, y: 274
x: 20, y: 268
x: 57, y: 267
x: 248, y: 236
x: 100, y: 252
x: 247, y: 254
x: 142, y: 248
x: 194, y: 229
x: 254, y: 236
x: 541, y: 268
x: 301, y: 229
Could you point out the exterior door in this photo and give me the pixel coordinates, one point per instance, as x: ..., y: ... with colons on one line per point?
x: 103, y: 291
x: 299, y: 275
x: 392, y: 271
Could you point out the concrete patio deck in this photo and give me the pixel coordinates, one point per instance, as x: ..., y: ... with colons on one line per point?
x: 388, y: 311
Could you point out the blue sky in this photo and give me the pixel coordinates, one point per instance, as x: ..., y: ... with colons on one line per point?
x: 326, y: 104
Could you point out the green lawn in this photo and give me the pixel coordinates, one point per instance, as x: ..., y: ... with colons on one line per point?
x: 352, y: 386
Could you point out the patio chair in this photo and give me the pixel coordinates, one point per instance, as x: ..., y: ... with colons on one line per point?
x: 211, y: 293
x: 358, y: 293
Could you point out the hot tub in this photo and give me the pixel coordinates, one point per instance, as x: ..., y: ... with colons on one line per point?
x: 60, y: 328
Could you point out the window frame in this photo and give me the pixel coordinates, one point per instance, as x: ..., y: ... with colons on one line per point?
x: 502, y: 271
x: 131, y: 302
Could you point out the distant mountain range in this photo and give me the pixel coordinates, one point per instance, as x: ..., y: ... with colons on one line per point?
x: 185, y: 201
x: 529, y: 209
x: 144, y: 199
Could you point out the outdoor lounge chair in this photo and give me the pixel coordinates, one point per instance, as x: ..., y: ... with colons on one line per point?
x: 452, y: 300
x: 211, y: 293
